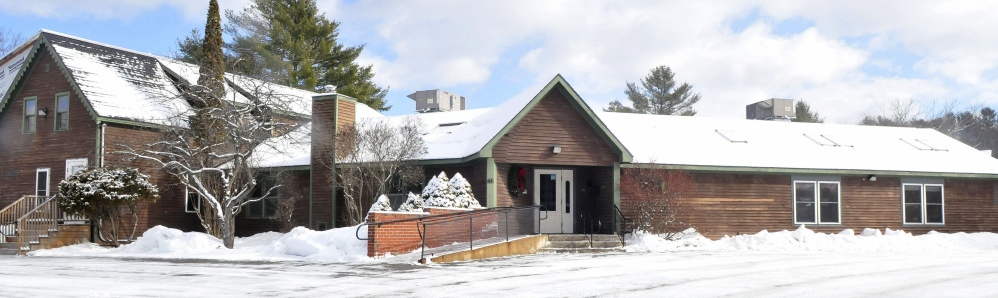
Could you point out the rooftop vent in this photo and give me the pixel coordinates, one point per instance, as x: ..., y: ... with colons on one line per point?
x: 778, y: 109
x: 437, y: 100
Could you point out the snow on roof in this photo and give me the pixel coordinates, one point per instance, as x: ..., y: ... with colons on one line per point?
x: 289, y: 150
x: 703, y: 141
x: 12, y: 62
x: 119, y: 83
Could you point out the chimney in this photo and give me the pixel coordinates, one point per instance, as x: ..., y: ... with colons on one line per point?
x: 775, y: 109
x: 331, y: 113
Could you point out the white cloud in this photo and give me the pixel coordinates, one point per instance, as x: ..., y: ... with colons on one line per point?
x: 113, y: 9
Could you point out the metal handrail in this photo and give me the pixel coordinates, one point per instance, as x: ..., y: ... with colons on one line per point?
x: 623, y: 228
x: 470, y: 216
x: 587, y: 223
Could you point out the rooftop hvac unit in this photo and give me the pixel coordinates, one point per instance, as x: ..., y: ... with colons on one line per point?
x: 771, y: 109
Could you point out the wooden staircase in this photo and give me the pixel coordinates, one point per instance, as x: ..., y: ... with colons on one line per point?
x: 35, y: 222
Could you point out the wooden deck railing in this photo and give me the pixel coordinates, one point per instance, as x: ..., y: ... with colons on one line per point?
x: 10, y: 214
x: 37, y: 223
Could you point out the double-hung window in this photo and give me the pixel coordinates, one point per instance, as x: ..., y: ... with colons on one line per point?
x: 265, y: 205
x: 923, y: 203
x: 62, y: 111
x: 817, y: 202
x: 193, y: 204
x: 30, y: 123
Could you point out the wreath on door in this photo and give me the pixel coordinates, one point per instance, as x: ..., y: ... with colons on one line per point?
x: 516, y: 181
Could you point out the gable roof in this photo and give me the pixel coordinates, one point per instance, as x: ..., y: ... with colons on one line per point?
x: 123, y: 85
x: 703, y: 143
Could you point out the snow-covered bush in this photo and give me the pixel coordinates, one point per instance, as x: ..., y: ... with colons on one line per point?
x: 382, y: 204
x: 437, y: 192
x: 449, y: 192
x: 413, y: 203
x: 102, y: 194
x: 461, y: 190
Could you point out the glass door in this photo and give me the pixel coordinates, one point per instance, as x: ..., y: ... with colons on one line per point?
x: 553, y: 191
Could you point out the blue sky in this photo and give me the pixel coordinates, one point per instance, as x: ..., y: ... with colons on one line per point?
x: 847, y: 59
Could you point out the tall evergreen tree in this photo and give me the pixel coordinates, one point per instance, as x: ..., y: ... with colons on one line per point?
x: 292, y: 44
x: 658, y: 95
x: 804, y: 113
x: 211, y: 69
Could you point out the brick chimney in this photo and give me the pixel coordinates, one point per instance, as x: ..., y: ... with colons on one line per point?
x: 331, y: 113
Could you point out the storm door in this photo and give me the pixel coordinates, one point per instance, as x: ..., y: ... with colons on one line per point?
x: 553, y: 191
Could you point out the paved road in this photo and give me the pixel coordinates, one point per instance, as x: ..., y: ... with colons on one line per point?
x: 958, y: 274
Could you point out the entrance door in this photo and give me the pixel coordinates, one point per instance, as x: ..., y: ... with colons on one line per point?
x: 553, y: 192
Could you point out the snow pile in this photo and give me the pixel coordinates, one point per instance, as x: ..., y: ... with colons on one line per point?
x: 301, y: 244
x: 413, y: 203
x: 804, y: 239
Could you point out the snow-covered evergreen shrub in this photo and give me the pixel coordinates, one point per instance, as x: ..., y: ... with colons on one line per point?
x: 382, y: 204
x: 413, y: 203
x: 102, y: 194
x: 461, y: 190
x: 437, y: 192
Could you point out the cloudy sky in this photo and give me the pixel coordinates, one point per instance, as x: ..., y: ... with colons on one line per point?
x: 846, y: 58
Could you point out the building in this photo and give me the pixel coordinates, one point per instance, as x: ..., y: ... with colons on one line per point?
x: 72, y: 101
x: 437, y: 100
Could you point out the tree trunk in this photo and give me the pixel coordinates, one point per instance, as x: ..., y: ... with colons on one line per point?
x: 228, y: 228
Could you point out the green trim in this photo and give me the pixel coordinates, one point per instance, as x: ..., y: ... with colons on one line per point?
x: 55, y: 120
x: 130, y: 123
x: 616, y: 184
x: 332, y: 170
x: 72, y: 81
x: 580, y: 106
x: 433, y: 162
x: 24, y: 115
x: 98, y: 160
x: 789, y: 171
x: 492, y: 193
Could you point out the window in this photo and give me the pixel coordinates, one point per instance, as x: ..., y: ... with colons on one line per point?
x: 923, y: 203
x: 429, y: 100
x: 74, y: 166
x: 62, y: 111
x: 731, y: 136
x: 816, y: 202
x: 42, y: 182
x: 266, y: 204
x: 30, y: 114
x: 193, y: 202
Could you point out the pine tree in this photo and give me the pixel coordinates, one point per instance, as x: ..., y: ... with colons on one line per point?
x: 381, y: 205
x: 291, y: 43
x: 211, y: 69
x: 658, y: 95
x: 437, y: 192
x: 804, y: 113
x: 461, y: 190
x: 413, y: 203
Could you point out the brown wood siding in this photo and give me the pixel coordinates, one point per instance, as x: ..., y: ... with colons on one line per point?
x: 732, y: 204
x: 323, y: 114
x: 21, y: 154
x: 346, y: 114
x: 503, y: 198
x: 474, y: 172
x: 554, y: 121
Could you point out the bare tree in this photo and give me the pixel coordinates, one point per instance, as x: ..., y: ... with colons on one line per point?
x: 286, y: 206
x: 659, y: 198
x: 9, y: 40
x: 376, y: 155
x: 220, y: 167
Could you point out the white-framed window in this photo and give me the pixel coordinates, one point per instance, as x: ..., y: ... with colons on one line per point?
x: 62, y: 111
x: 922, y: 203
x: 42, y: 182
x: 429, y: 100
x: 75, y: 165
x: 817, y: 202
x: 30, y: 123
x: 192, y: 202
x: 265, y: 205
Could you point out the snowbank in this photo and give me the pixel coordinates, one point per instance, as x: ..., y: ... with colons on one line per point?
x: 301, y: 244
x: 804, y: 239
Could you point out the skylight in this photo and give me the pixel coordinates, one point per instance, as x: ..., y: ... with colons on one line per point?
x: 451, y: 124
x: 731, y: 136
x: 827, y: 140
x: 924, y: 145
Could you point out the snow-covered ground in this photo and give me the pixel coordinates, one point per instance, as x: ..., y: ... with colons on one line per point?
x: 786, y: 263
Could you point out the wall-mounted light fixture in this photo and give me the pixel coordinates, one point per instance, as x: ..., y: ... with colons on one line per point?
x: 871, y: 178
x: 556, y: 149
x: 44, y: 112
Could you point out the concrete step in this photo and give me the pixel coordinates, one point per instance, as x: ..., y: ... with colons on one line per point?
x: 8, y: 252
x: 580, y: 250
x: 581, y: 237
x: 583, y: 244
